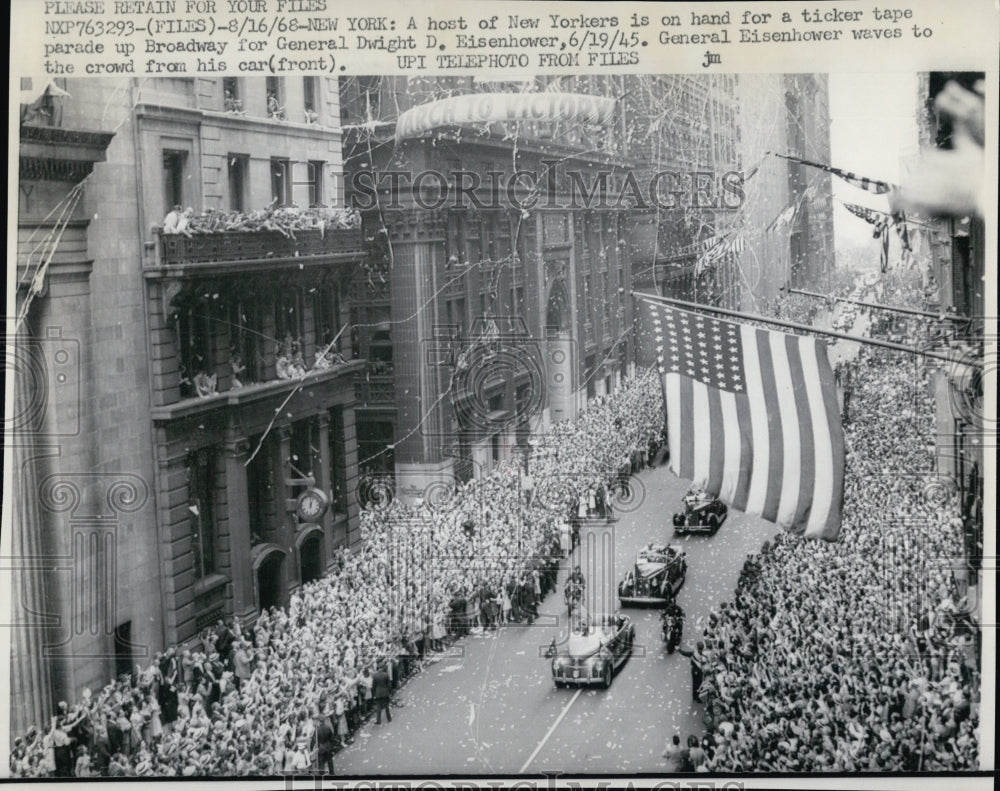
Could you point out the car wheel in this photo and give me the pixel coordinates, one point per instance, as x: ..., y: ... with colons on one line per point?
x: 678, y: 520
x: 606, y: 678
x: 560, y: 684
x: 713, y: 523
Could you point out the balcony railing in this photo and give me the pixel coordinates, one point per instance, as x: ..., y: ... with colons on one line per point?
x: 178, y: 249
x: 370, y: 291
x: 258, y: 391
x: 377, y: 384
x: 380, y: 389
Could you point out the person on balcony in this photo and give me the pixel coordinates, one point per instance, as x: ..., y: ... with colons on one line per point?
x: 172, y: 220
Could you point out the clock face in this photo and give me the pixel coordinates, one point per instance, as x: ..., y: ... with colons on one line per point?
x: 312, y: 505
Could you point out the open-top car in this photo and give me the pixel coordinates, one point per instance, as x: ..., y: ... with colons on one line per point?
x: 594, y: 651
x: 658, y: 574
x: 703, y: 513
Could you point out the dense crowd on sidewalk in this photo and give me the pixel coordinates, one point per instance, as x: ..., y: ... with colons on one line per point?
x: 858, y: 655
x: 282, y: 695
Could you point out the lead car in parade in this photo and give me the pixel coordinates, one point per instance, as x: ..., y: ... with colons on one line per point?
x: 658, y: 574
x: 594, y: 651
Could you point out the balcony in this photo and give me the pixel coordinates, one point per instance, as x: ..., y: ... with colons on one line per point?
x: 251, y: 393
x: 370, y: 291
x: 455, y: 279
x: 377, y: 384
x: 250, y: 250
x: 379, y: 390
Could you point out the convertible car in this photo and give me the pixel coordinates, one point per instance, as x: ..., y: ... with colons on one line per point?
x: 703, y: 513
x: 594, y: 652
x: 658, y: 574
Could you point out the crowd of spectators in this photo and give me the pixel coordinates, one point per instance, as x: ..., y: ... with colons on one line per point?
x: 285, y: 220
x: 283, y: 694
x: 857, y: 655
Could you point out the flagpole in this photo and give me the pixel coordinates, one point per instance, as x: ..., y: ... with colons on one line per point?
x: 898, y: 347
x: 911, y: 311
x: 905, y: 220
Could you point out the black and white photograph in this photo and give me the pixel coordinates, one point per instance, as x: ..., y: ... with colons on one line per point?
x: 507, y: 415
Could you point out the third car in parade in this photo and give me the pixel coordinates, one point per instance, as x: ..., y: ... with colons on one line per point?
x: 703, y: 513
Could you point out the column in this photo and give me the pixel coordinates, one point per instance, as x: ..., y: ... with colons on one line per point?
x: 351, y: 473
x: 286, y: 537
x: 419, y: 432
x: 238, y: 521
x: 323, y: 472
x: 30, y: 689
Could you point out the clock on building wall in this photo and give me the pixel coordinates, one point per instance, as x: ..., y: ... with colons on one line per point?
x: 312, y: 504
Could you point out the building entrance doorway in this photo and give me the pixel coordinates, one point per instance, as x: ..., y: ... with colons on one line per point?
x: 311, y: 558
x: 269, y: 584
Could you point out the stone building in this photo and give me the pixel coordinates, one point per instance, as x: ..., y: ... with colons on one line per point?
x: 722, y: 236
x: 684, y: 134
x: 788, y: 212
x: 177, y: 467
x: 483, y: 320
x: 955, y: 288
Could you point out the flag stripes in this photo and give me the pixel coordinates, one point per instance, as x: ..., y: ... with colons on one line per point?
x: 790, y: 434
x: 752, y: 416
x: 865, y: 183
x: 806, y: 452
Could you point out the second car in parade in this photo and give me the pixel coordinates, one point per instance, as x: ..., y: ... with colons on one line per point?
x: 659, y: 572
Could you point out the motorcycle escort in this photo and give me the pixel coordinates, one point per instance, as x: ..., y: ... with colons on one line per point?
x: 672, y: 626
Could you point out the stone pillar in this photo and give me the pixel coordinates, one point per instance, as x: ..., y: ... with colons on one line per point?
x: 237, y: 451
x: 286, y: 538
x: 351, y: 474
x: 30, y: 690
x: 323, y: 472
x: 420, y: 409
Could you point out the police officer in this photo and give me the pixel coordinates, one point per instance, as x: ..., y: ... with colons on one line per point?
x: 698, y: 660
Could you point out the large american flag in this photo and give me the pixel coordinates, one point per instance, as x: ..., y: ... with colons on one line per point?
x: 752, y: 416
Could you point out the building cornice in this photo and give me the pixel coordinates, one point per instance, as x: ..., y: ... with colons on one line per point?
x: 52, y: 153
x: 235, y: 121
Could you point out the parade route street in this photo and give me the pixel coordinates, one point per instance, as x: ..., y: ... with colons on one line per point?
x: 488, y: 706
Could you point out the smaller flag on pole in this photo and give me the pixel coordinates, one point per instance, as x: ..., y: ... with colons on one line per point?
x: 732, y: 243
x: 865, y: 183
x: 868, y: 215
x: 785, y: 217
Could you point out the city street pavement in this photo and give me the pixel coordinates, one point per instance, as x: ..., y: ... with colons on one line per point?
x: 841, y: 350
x: 489, y: 705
